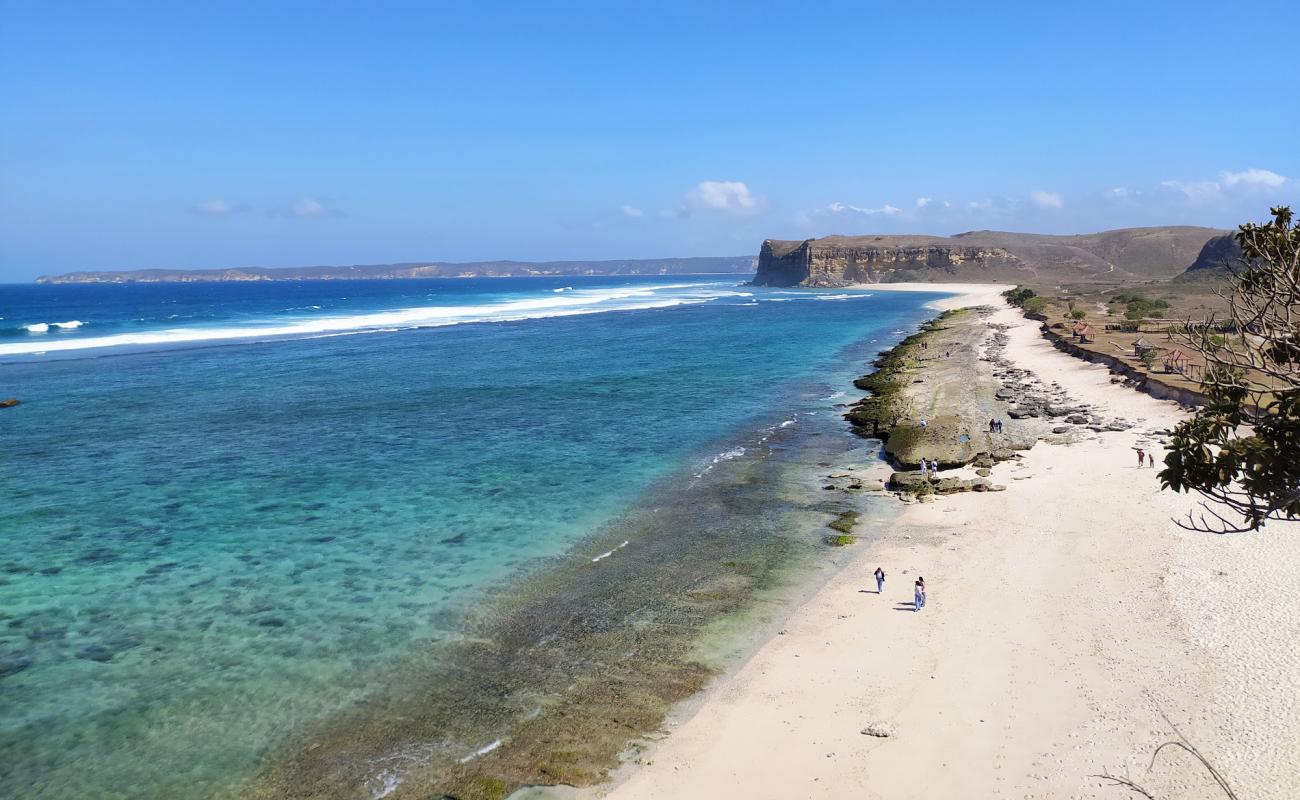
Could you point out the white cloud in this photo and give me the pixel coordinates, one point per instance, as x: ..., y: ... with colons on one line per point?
x: 216, y: 207
x: 922, y: 202
x: 632, y: 211
x: 1241, y: 183
x: 1252, y: 177
x: 309, y: 208
x: 842, y: 208
x: 732, y: 196
x: 1044, y: 199
x: 1196, y: 191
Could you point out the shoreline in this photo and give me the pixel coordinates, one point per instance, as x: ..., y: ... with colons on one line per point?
x: 1052, y: 645
x: 567, y: 670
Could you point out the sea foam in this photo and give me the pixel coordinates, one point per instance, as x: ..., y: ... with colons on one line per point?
x: 44, y: 327
x: 570, y: 303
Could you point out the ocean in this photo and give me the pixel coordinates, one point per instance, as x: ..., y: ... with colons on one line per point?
x: 242, y: 522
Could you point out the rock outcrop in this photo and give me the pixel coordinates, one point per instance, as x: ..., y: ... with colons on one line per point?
x: 988, y: 256
x: 825, y: 262
x: 1216, y: 259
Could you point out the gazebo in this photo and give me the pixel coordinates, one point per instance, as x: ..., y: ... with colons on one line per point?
x: 1176, y: 362
x: 1143, y: 345
x: 1084, y: 332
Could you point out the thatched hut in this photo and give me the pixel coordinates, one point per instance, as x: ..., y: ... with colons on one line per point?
x: 1144, y: 345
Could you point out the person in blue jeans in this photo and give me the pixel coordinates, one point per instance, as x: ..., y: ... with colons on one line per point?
x: 918, y: 596
x: 880, y: 580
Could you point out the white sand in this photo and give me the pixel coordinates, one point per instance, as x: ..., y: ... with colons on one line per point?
x: 1064, y: 615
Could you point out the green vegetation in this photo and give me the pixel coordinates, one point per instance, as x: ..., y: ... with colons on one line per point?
x: 1035, y: 305
x: 1137, y: 307
x: 1078, y: 313
x: 1018, y: 295
x: 1148, y: 359
x: 841, y: 540
x: 1240, y: 450
x: 483, y: 787
x: 845, y: 521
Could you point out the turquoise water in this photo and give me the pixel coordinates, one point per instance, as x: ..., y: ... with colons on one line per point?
x: 208, y: 549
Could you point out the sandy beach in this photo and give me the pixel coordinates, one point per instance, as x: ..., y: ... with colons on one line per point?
x: 1066, y: 617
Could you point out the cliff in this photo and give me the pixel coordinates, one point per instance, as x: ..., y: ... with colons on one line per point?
x: 982, y: 256
x: 1215, y: 261
x: 477, y: 269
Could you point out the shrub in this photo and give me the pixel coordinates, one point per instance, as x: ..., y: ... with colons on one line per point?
x: 1018, y: 295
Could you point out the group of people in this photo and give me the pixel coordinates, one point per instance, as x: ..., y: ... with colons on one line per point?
x: 918, y: 589
x: 995, y: 426
x: 926, y: 346
x: 930, y: 468
x: 1150, y: 459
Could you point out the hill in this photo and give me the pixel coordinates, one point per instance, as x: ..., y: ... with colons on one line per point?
x: 1128, y: 254
x: 1215, y: 261
x: 409, y: 270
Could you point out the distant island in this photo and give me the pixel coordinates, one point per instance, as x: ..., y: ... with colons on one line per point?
x: 1118, y: 256
x: 740, y: 265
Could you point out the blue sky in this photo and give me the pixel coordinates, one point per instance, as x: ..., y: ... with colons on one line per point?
x: 278, y: 134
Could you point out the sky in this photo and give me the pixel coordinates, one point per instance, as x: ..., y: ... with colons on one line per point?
x: 200, y: 135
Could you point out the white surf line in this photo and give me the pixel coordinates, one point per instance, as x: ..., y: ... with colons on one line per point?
x: 482, y: 751
x: 609, y: 553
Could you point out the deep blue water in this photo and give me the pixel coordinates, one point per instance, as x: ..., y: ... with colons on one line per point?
x: 214, y: 533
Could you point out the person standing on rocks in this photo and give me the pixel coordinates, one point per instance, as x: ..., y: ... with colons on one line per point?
x: 880, y: 581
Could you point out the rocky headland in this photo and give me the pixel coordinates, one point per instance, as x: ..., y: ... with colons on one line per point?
x: 1130, y: 254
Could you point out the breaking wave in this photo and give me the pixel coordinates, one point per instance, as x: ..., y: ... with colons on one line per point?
x: 44, y: 327
x: 569, y: 303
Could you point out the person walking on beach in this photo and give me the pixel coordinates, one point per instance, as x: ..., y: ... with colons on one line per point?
x: 1151, y: 461
x: 918, y: 596
x: 880, y: 581
x: 921, y: 582
x: 1141, y: 456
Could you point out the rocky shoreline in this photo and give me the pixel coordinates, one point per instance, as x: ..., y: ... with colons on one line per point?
x: 933, y: 396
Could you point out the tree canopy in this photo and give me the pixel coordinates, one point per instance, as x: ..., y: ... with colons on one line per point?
x: 1242, y: 450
